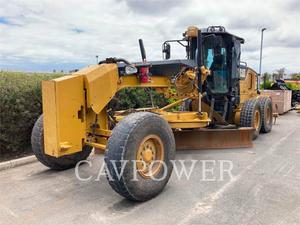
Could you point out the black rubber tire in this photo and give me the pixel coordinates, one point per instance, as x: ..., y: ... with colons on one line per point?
x: 247, y: 116
x: 265, y: 103
x: 61, y: 163
x: 123, y: 145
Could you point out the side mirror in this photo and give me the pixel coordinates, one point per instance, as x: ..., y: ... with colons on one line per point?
x: 166, y: 50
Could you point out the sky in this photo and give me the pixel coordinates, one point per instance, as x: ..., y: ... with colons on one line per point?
x: 42, y: 35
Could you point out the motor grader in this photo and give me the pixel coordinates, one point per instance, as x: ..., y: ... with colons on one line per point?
x: 219, y: 101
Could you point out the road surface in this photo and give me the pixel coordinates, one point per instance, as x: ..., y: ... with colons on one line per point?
x: 264, y: 189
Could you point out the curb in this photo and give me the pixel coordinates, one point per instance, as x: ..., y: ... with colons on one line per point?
x: 17, y: 162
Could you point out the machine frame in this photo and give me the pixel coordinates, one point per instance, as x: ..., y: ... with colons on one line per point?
x: 75, y: 106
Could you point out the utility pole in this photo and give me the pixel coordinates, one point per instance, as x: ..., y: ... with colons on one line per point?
x: 260, y: 59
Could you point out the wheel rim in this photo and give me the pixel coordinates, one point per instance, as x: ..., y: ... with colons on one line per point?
x: 268, y: 116
x: 256, y: 120
x: 149, y: 156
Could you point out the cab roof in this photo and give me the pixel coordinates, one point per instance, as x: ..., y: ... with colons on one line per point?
x: 220, y: 30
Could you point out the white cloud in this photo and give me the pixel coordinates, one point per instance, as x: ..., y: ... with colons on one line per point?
x: 61, y: 32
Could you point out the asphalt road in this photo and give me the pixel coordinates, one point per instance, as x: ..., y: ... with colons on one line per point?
x: 264, y: 189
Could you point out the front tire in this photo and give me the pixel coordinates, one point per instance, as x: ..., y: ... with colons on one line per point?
x: 61, y: 163
x: 251, y: 116
x: 140, y: 137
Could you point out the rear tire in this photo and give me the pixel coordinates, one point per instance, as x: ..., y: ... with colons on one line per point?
x: 61, y: 163
x: 251, y: 116
x: 266, y: 114
x: 126, y: 143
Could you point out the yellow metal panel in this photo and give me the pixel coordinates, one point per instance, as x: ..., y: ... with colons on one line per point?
x: 133, y: 81
x: 64, y: 117
x: 181, y: 119
x: 101, y: 84
x: 50, y: 120
x: 248, y: 86
x: 103, y: 81
x: 186, y: 119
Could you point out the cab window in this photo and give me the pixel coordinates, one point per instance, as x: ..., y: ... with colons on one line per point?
x: 242, y: 73
x: 216, y: 61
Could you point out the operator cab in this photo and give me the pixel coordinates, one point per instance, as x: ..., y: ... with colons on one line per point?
x: 220, y: 53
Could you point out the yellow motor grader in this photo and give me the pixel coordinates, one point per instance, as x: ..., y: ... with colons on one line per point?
x: 219, y: 101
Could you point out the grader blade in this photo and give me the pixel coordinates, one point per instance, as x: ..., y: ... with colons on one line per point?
x: 214, y: 138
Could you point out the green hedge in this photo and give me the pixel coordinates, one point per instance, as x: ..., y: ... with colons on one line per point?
x: 20, y: 106
x: 132, y: 98
x: 293, y: 86
x: 267, y: 85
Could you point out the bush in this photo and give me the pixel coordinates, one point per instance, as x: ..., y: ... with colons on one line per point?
x: 268, y: 85
x: 293, y: 86
x: 20, y: 106
x: 131, y: 98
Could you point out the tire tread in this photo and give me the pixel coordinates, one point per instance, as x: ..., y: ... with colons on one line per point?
x: 116, y: 148
x: 247, y: 114
x: 61, y: 163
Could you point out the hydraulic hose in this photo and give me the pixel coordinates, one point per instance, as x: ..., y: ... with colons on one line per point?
x: 114, y: 60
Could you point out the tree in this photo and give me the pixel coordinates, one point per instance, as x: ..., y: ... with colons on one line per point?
x: 275, y: 76
x: 296, y: 76
x: 281, y: 73
x: 267, y: 76
x: 266, y: 81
